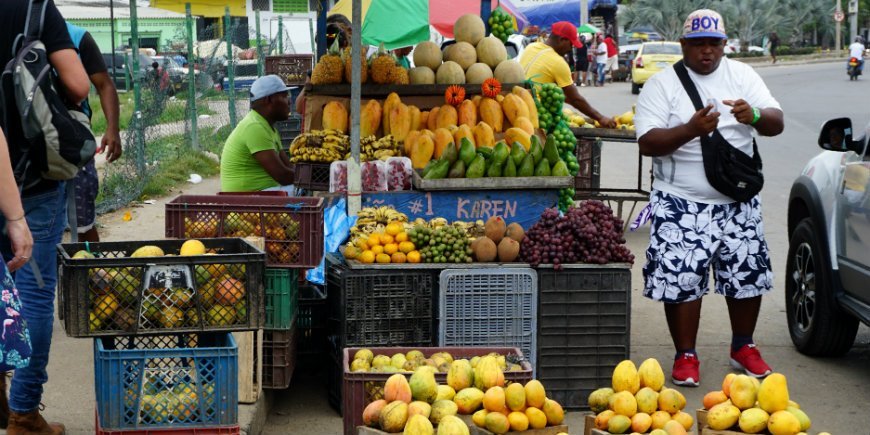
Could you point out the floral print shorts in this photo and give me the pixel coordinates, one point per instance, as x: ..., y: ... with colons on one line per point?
x: 687, y: 238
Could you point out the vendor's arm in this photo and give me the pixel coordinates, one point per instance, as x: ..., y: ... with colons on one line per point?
x: 756, y: 96
x: 274, y: 164
x: 573, y: 97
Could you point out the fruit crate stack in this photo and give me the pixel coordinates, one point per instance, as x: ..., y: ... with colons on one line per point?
x: 279, y: 330
x: 161, y: 313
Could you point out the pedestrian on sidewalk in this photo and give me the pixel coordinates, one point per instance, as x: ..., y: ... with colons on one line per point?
x: 694, y: 225
x: 773, y: 44
x: 581, y: 62
x: 612, y: 57
x: 600, y: 59
x: 45, y: 210
x: 87, y: 183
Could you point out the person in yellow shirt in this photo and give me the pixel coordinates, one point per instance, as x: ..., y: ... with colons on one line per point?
x: 544, y: 62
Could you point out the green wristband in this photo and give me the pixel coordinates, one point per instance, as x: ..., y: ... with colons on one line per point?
x: 756, y: 115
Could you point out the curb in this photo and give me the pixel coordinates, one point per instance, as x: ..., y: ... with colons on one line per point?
x: 252, y: 418
x: 766, y: 63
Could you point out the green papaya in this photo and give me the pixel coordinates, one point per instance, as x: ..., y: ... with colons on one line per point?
x: 450, y: 153
x: 560, y: 169
x: 551, y: 151
x: 477, y: 167
x: 518, y: 153
x: 510, y: 169
x: 466, y: 151
x: 543, y: 169
x: 535, y: 149
x: 494, y: 169
x: 486, y: 151
x: 439, y: 170
x: 457, y: 170
x: 428, y: 167
x: 500, y: 153
x: 527, y: 167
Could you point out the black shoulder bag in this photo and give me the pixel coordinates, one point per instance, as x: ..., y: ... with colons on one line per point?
x: 729, y: 170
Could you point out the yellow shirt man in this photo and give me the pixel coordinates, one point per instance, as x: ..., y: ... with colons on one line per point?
x: 542, y: 64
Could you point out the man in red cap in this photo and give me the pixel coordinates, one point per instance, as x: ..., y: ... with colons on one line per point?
x: 544, y: 62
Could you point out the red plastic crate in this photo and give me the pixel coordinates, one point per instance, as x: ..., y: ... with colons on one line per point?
x: 358, y: 388
x: 217, y: 430
x: 292, y: 226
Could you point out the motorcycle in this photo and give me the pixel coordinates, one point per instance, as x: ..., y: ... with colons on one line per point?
x: 853, y: 69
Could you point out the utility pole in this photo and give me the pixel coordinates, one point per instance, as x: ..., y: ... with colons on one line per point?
x: 853, y: 19
x: 838, y: 39
x: 584, y: 12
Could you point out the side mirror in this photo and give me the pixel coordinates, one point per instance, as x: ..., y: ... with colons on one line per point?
x: 836, y: 135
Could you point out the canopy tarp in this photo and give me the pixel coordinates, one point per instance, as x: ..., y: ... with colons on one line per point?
x: 203, y: 8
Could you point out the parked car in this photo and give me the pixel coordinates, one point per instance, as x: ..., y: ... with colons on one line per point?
x: 651, y: 58
x: 828, y: 266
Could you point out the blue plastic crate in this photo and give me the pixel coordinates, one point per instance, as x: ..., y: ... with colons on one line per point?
x: 173, y: 381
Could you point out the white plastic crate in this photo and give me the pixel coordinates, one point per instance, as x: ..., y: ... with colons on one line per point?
x: 489, y: 307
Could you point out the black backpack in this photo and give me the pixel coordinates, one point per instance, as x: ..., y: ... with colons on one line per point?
x: 59, y: 141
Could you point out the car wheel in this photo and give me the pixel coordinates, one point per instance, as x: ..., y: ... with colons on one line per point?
x: 818, y: 327
x: 635, y: 88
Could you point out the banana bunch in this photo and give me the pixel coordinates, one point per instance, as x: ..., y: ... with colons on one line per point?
x: 472, y: 229
x: 324, y: 146
x: 372, y: 148
x: 366, y: 229
x: 382, y: 215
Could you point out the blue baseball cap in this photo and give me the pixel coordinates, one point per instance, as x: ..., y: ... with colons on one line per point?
x: 268, y: 85
x: 704, y: 23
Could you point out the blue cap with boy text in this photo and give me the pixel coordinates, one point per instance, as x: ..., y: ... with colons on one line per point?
x: 704, y: 23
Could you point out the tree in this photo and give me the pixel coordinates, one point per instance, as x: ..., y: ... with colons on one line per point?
x: 665, y: 16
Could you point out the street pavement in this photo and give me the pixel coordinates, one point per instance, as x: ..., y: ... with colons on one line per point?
x: 833, y: 392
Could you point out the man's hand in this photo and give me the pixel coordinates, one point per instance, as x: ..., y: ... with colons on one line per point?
x: 111, y: 144
x: 741, y: 110
x: 704, y: 121
x: 606, y: 122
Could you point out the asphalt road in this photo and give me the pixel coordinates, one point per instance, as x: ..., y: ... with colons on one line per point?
x: 833, y: 392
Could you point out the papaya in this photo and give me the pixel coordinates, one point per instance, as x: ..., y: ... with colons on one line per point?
x: 518, y: 153
x: 370, y: 119
x: 467, y: 113
x: 422, y: 151
x: 524, y: 124
x: 527, y: 98
x: 494, y: 400
x: 438, y: 171
x: 464, y: 131
x: 391, y: 101
x: 500, y: 153
x: 488, y: 374
x: 535, y: 149
x: 510, y: 169
x: 450, y: 153
x: 518, y: 135
x: 335, y: 116
x: 484, y: 135
x: 466, y: 151
x: 551, y: 151
x: 491, y: 114
x: 543, y: 168
x: 419, y: 407
x: 527, y: 167
x: 515, y: 397
x: 560, y: 169
x: 773, y: 393
x: 409, y: 141
x: 445, y: 392
x: 456, y: 171
x: 443, y: 137
x: 553, y: 410
x: 447, y: 116
x: 416, y: 117
x: 432, y: 119
x: 476, y: 168
x: 625, y: 378
x: 514, y: 107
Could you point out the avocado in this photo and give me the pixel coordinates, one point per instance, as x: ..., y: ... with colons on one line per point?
x: 510, y: 169
x: 500, y: 153
x: 560, y: 169
x: 518, y: 153
x: 450, y: 153
x: 466, y: 151
x: 457, y: 170
x: 551, y: 151
x: 527, y: 167
x: 438, y: 171
x: 477, y: 167
x: 535, y: 149
x: 494, y: 169
x: 543, y: 169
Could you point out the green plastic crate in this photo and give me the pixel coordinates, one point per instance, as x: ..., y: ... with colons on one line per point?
x: 282, y: 295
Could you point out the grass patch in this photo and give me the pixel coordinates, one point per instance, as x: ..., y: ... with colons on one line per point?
x: 213, y: 140
x: 172, y: 173
x: 173, y: 110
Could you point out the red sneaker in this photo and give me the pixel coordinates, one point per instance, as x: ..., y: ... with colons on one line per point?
x: 685, y: 371
x: 748, y: 359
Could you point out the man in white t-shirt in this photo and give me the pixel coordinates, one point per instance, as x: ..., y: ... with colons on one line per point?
x: 856, y: 50
x: 694, y: 226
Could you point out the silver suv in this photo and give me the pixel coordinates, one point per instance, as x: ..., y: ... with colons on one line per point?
x: 828, y: 271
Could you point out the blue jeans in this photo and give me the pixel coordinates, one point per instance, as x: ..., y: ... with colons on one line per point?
x: 46, y: 217
x: 601, y: 67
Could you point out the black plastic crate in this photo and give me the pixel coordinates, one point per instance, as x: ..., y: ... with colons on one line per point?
x: 289, y: 129
x: 114, y: 294
x: 311, y: 324
x: 279, y: 358
x: 311, y: 176
x: 584, y: 329
x: 381, y: 307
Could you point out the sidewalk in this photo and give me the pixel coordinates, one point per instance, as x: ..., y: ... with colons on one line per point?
x: 69, y: 393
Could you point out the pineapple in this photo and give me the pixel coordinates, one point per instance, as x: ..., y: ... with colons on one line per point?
x: 400, y: 75
x: 330, y: 68
x: 382, y: 67
x: 364, y: 71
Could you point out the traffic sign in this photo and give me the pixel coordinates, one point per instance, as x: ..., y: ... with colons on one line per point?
x: 839, y: 16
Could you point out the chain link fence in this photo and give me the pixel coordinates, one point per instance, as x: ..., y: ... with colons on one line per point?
x: 184, y: 99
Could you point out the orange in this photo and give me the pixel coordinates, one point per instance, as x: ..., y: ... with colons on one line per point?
x: 377, y: 249
x: 413, y: 257
x: 383, y: 258
x: 386, y: 239
x: 406, y: 247
x: 351, y: 252
x: 367, y: 257
x: 391, y: 248
x: 394, y: 228
x: 398, y: 257
x: 401, y: 237
x: 374, y: 240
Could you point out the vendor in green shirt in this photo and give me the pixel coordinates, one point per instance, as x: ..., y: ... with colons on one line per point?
x: 402, y: 56
x: 252, y: 159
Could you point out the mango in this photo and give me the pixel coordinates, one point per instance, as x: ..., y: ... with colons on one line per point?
x: 494, y: 400
x: 671, y: 400
x: 722, y: 416
x: 625, y: 377
x: 537, y: 418
x: 497, y: 423
x: 623, y: 403
x: 419, y: 408
x: 753, y: 420
x: 650, y: 373
x: 773, y: 393
x: 618, y: 424
x: 442, y: 408
x: 553, y: 410
x: 445, y: 392
x: 602, y: 419
x: 468, y: 400
x: 658, y: 432
x: 641, y: 422
x: 647, y: 400
x: 783, y: 423
x: 743, y: 393
x: 802, y: 417
x: 659, y: 419
x: 674, y: 427
x: 713, y: 398
x: 394, y: 416
x: 372, y: 412
x: 684, y: 419
x: 488, y: 374
x: 479, y: 418
x: 518, y: 421
x: 535, y: 394
x: 397, y: 389
x: 423, y: 385
x: 398, y: 361
x: 418, y: 425
x: 726, y: 383
x: 452, y: 425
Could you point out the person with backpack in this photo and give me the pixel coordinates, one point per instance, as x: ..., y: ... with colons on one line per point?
x: 87, y: 183
x: 44, y: 199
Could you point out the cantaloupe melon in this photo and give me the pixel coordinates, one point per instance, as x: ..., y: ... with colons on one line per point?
x: 469, y: 28
x: 428, y: 54
x: 477, y: 73
x: 510, y: 71
x: 491, y: 51
x: 421, y: 75
x: 462, y: 53
x: 450, y: 73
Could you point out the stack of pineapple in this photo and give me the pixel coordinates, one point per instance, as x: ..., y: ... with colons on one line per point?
x: 336, y: 66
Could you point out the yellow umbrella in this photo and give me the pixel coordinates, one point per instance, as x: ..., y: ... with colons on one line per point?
x: 345, y: 7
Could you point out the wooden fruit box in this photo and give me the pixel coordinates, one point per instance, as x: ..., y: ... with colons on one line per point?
x: 493, y: 183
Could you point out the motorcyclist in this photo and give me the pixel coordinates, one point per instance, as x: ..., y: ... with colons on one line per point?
x: 856, y: 50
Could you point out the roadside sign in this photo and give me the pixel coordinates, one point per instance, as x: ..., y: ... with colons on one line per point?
x: 839, y: 16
